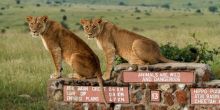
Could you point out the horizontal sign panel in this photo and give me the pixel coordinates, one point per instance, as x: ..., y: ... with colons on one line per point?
x: 93, y: 94
x: 205, y: 96
x: 163, y: 77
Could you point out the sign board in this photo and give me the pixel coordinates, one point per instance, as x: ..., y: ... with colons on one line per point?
x: 93, y: 94
x: 205, y: 96
x: 163, y: 77
x: 155, y: 96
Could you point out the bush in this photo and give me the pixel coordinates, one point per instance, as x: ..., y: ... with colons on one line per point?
x: 64, y: 17
x: 119, y: 60
x: 173, y: 52
x: 147, y: 13
x: 138, y: 18
x: 121, y: 3
x: 198, y: 11
x: 167, y: 6
x: 136, y: 10
x: 213, y: 9
x: 3, y: 31
x: 189, y: 4
x: 2, y: 8
x: 38, y: 5
x: 48, y: 2
x: 17, y: 1
x: 190, y: 52
x: 62, y: 10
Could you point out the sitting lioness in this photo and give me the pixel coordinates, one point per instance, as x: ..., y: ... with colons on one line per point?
x: 65, y: 45
x: 134, y: 48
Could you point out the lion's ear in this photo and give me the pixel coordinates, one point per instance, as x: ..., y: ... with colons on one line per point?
x: 98, y: 20
x: 44, y: 18
x: 82, y: 21
x: 29, y: 18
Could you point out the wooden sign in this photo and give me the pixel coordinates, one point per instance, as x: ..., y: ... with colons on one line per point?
x: 93, y: 94
x: 205, y: 96
x: 163, y: 77
x: 155, y: 96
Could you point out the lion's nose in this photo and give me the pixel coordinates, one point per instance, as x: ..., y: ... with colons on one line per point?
x: 34, y: 31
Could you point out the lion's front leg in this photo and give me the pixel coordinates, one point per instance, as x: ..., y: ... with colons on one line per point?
x: 109, y: 56
x: 57, y: 59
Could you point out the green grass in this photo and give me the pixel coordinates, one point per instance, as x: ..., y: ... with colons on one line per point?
x: 25, y: 66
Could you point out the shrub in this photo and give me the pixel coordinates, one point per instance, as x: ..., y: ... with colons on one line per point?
x: 198, y: 11
x: 62, y: 10
x: 57, y: 2
x: 167, y: 6
x: 2, y: 8
x: 38, y: 5
x: 136, y: 10
x: 119, y: 60
x: 189, y: 4
x: 121, y: 3
x: 213, y: 9
x: 77, y: 24
x: 173, y: 52
x: 138, y: 18
x: 147, y: 13
x: 3, y: 31
x: 17, y: 1
x: 190, y: 52
x: 137, y: 29
x: 64, y: 17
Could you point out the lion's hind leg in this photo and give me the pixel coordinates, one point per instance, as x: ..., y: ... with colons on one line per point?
x: 145, y: 51
x: 83, y: 66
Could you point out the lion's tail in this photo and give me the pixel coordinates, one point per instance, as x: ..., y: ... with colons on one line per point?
x: 165, y: 60
x: 100, y: 81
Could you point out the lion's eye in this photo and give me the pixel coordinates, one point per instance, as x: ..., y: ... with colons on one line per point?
x: 87, y: 27
x: 32, y: 23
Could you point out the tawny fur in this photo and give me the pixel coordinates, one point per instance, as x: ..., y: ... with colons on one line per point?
x: 64, y: 45
x: 134, y: 48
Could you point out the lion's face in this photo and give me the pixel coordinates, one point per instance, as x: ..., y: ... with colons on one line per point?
x: 37, y: 24
x: 91, y: 27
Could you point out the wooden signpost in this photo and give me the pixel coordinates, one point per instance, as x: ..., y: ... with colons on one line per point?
x: 205, y: 96
x: 159, y: 77
x: 93, y: 94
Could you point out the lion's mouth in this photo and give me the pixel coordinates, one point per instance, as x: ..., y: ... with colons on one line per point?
x: 90, y: 36
x: 35, y: 34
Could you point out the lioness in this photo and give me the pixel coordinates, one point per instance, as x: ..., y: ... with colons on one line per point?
x: 63, y: 44
x: 134, y: 48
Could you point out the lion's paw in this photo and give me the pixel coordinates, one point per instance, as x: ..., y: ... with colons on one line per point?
x: 55, y: 76
x: 106, y: 76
